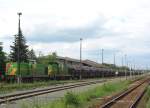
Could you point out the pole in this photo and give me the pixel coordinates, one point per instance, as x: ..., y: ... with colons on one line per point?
x: 18, y: 54
x: 102, y: 61
x: 102, y: 56
x: 125, y: 67
x: 122, y: 61
x: 135, y: 71
x: 80, y: 58
x: 130, y: 67
x: 114, y: 60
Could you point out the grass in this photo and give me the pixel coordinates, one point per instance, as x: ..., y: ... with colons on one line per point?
x: 148, y: 95
x: 79, y: 100
x: 11, y: 87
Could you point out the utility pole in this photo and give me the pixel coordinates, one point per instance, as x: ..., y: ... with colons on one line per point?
x: 81, y: 58
x: 102, y: 56
x: 139, y: 69
x: 125, y: 67
x: 102, y: 61
x: 114, y: 60
x: 130, y: 66
x: 40, y: 53
x: 122, y: 61
x: 18, y: 54
x: 134, y: 70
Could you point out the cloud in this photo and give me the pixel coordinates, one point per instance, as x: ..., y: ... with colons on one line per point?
x: 44, y: 33
x: 118, y: 26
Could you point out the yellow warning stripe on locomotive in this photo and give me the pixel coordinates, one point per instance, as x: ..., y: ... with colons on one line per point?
x: 13, y: 72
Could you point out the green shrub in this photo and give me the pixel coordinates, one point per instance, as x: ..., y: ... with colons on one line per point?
x: 72, y: 99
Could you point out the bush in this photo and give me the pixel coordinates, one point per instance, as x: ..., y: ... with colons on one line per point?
x: 71, y: 99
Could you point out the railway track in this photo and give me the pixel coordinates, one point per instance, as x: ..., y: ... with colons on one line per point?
x: 128, y: 98
x: 23, y: 95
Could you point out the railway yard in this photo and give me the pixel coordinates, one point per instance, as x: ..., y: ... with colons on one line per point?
x: 128, y: 96
x: 73, y: 57
x: 52, y: 91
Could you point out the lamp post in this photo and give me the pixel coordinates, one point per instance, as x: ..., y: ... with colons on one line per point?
x: 102, y: 62
x: 102, y: 56
x: 130, y: 67
x: 114, y: 59
x: 125, y: 67
x: 134, y: 70
x: 122, y: 61
x: 81, y: 57
x: 18, y: 51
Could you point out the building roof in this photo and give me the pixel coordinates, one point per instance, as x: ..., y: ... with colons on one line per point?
x: 91, y: 63
x: 68, y: 59
x: 84, y: 62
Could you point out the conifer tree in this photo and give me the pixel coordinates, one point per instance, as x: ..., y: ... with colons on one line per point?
x: 31, y: 55
x: 2, y: 60
x: 19, y: 49
x: 2, y: 54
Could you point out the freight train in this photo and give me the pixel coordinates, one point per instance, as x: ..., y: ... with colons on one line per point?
x: 59, y: 71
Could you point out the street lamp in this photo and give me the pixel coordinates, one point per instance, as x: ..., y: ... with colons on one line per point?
x: 102, y: 56
x: 130, y: 68
x: 18, y: 52
x: 80, y: 57
x: 114, y: 60
x: 122, y: 61
x: 125, y: 67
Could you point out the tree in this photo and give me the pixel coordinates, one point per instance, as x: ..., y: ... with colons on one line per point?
x: 31, y: 55
x: 2, y: 55
x: 52, y: 57
x: 47, y: 59
x: 2, y: 61
x: 19, y: 50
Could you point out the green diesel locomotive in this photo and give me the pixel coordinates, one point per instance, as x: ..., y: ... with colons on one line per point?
x: 30, y: 71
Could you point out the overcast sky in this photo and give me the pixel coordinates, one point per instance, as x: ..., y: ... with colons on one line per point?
x: 117, y: 26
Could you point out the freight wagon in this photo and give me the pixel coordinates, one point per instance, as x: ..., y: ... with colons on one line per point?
x: 55, y: 70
